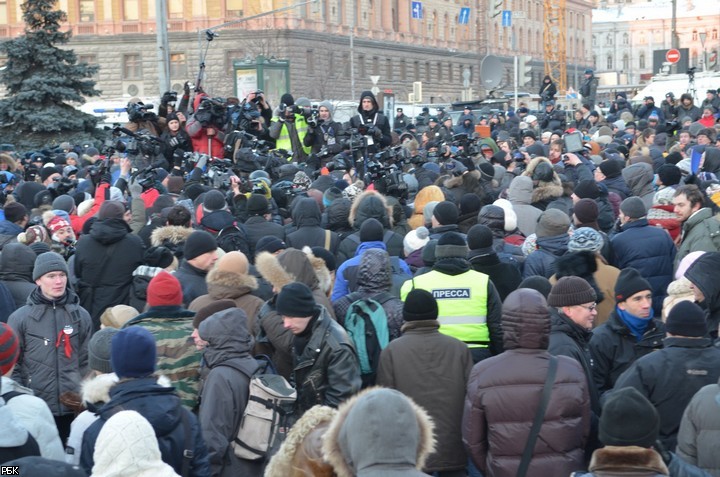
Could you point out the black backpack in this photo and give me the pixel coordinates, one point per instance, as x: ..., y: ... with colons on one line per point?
x: 234, y: 238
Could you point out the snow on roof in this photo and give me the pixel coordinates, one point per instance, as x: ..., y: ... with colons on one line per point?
x: 654, y: 10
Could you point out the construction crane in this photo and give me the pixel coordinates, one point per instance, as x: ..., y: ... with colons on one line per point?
x: 555, y: 43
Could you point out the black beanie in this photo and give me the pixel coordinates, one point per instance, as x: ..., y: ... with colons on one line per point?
x: 287, y: 99
x: 587, y: 189
x: 628, y: 419
x: 371, y: 230
x: 295, y: 300
x: 257, y: 204
x: 673, y: 158
x: 198, y: 243
x: 480, y: 237
x: 686, y: 319
x: 611, y: 168
x: 470, y: 204
x: 537, y: 283
x: 451, y: 245
x: 628, y: 283
x: 420, y: 305
x: 446, y: 213
x: 161, y: 257
x: 669, y: 174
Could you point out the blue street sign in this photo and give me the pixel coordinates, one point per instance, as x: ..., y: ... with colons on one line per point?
x: 417, y: 10
x: 464, y: 17
x: 507, y: 18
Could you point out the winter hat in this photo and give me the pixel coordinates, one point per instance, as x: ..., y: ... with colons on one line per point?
x: 116, y: 194
x: 487, y: 171
x: 214, y: 200
x: 47, y: 171
x: 49, y: 262
x: 54, y: 222
x: 510, y: 215
x: 429, y: 210
x: 198, y: 243
x: 587, y: 189
x: 470, y: 204
x: 270, y: 244
x: 628, y: 283
x: 295, y: 300
x: 33, y: 235
x: 669, y: 174
x: 287, y: 99
x: 326, y: 256
x: 14, y: 211
x: 446, y: 213
x: 543, y: 171
x: 39, y: 247
x: 99, y: 350
x: 330, y: 195
x: 451, y: 245
x: 210, y: 309
x: 164, y: 290
x: 415, y: 239
x: 175, y: 185
x: 551, y: 223
x: 301, y: 181
x: 235, y: 262
x: 611, y: 168
x: 673, y: 158
x: 111, y: 209
x: 257, y: 204
x: 352, y: 191
x: 161, y: 257
x: 420, y: 305
x: 628, y: 419
x: 686, y: 319
x: 570, y: 291
x: 686, y: 262
x: 133, y: 352
x: 633, y: 207
x: 480, y: 238
x: 117, y: 316
x: 537, y: 283
x: 9, y: 348
x: 64, y: 202
x: 371, y: 230
x: 585, y: 239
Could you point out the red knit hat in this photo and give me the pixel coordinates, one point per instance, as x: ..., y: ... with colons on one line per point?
x: 9, y: 348
x: 164, y: 290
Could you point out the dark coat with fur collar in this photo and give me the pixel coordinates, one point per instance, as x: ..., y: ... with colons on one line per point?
x: 618, y: 461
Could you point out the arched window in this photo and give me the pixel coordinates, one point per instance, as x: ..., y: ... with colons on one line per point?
x: 626, y: 63
x: 609, y: 62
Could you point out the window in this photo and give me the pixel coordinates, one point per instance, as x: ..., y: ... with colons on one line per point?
x: 439, y: 70
x: 310, y: 61
x: 389, y: 69
x: 451, y: 76
x: 626, y: 39
x: 594, y: 62
x: 643, y: 39
x: 346, y: 62
x: 376, y: 66
x: 361, y: 67
x: 714, y: 34
x: 625, y: 63
x: 87, y: 11
x: 175, y: 9
x: 609, y: 62
x: 234, y: 8
x: 428, y: 71
x: 178, y: 65
x: 403, y: 70
x: 131, y: 10
x: 132, y: 67
x: 416, y: 72
x: 609, y: 39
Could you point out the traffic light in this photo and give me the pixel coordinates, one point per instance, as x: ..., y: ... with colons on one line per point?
x: 524, y: 70
x: 496, y: 7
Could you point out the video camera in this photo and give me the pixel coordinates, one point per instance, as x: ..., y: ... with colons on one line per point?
x: 212, y: 112
x: 138, y: 112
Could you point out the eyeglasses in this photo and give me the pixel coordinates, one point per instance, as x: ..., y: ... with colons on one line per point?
x: 592, y: 307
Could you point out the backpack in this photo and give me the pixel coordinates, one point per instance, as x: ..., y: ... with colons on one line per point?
x: 265, y: 420
x: 233, y: 238
x: 367, y: 325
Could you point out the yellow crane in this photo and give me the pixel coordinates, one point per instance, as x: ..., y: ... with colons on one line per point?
x: 555, y: 44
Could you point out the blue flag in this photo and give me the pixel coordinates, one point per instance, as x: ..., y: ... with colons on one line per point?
x: 695, y: 160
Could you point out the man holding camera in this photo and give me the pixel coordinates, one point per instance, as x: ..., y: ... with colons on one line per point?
x: 323, y: 132
x: 371, y: 123
x: 289, y: 129
x: 205, y: 127
x: 140, y: 117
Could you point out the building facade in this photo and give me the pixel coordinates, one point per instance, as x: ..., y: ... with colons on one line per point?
x: 388, y: 41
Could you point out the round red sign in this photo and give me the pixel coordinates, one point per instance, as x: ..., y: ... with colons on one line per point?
x: 672, y: 56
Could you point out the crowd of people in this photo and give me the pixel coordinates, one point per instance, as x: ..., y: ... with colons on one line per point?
x: 539, y: 300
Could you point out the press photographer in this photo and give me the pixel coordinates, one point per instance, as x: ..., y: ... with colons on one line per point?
x: 206, y: 126
x: 175, y: 142
x: 140, y: 117
x: 289, y: 129
x: 371, y: 123
x: 323, y: 133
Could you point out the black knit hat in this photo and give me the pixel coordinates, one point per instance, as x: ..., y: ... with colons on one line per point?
x: 420, y: 305
x: 198, y: 243
x: 480, y: 237
x: 669, y: 174
x: 295, y: 300
x: 587, y: 189
x: 537, y: 283
x: 214, y: 200
x: 446, y: 213
x: 161, y: 257
x: 611, y: 168
x: 686, y: 319
x: 628, y: 283
x: 451, y: 245
x: 270, y: 244
x: 15, y: 211
x: 371, y: 230
x: 628, y: 419
x: 257, y: 204
x: 570, y: 291
x: 633, y: 207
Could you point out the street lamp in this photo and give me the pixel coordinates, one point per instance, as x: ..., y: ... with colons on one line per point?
x: 703, y: 37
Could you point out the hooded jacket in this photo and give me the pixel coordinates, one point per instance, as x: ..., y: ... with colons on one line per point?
x: 104, y: 264
x: 702, y: 273
x: 699, y: 434
x: 44, y: 365
x: 16, y: 265
x: 373, y: 118
x: 193, y: 281
x: 696, y: 235
x: 542, y: 261
x: 427, y: 194
x: 520, y: 196
x: 359, y: 442
x: 639, y: 178
x: 517, y: 376
x: 415, y: 364
x: 225, y: 389
x: 307, y: 217
x: 370, y: 204
x: 545, y: 191
x: 162, y: 409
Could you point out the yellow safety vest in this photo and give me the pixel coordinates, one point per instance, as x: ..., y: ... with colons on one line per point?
x: 283, y: 141
x: 462, y: 304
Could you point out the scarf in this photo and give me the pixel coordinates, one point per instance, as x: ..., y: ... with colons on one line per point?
x: 638, y: 326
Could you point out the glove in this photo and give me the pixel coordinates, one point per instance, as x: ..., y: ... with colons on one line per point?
x: 377, y: 134
x: 186, y: 88
x: 173, y: 141
x: 135, y: 189
x: 202, y: 161
x: 106, y: 178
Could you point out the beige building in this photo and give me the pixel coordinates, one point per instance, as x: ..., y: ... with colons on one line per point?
x: 120, y: 36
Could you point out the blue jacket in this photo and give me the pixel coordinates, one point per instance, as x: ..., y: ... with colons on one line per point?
x: 161, y: 407
x: 650, y: 251
x: 9, y: 228
x: 542, y: 261
x: 341, y: 287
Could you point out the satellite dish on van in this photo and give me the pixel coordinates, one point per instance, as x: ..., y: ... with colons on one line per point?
x: 491, y: 72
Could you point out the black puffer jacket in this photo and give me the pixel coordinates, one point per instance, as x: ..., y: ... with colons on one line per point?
x: 306, y: 217
x: 16, y: 265
x: 335, y: 218
x: 257, y: 227
x: 614, y: 348
x: 192, y: 280
x: 703, y: 273
x: 104, y: 263
x: 493, y: 217
x: 505, y: 276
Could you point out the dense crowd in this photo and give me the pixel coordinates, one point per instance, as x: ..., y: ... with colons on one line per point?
x: 510, y: 293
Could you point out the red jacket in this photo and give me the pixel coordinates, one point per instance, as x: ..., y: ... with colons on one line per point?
x: 77, y: 222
